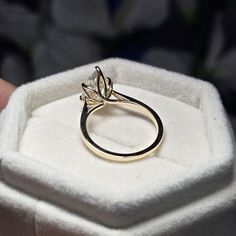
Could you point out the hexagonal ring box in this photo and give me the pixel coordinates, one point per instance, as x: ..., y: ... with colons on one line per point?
x: 60, y: 187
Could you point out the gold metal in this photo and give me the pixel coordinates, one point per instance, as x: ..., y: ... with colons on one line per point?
x: 98, y: 92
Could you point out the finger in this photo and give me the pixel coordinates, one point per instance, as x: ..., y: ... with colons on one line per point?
x: 6, y: 89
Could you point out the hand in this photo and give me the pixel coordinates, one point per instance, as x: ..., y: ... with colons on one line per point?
x: 6, y: 89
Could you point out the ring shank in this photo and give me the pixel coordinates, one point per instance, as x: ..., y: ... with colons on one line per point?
x: 122, y: 157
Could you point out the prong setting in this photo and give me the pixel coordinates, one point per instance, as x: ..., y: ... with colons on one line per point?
x: 97, y: 88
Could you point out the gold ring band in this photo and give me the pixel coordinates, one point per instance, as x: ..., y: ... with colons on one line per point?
x: 98, y: 91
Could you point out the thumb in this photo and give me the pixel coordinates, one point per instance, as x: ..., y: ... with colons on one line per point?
x: 6, y: 89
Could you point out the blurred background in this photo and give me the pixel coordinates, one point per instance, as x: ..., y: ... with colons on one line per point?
x: 197, y: 38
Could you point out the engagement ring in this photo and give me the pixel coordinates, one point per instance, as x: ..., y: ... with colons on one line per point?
x: 98, y: 92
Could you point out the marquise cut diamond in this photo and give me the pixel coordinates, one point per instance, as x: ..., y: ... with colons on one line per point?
x: 91, y: 81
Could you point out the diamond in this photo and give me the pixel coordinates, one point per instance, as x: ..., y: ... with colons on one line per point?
x: 91, y: 81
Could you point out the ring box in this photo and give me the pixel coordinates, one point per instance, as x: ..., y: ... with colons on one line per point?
x: 49, y: 176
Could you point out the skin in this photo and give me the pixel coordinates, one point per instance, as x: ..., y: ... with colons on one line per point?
x: 6, y: 89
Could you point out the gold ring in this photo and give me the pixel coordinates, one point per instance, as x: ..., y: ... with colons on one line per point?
x: 98, y: 92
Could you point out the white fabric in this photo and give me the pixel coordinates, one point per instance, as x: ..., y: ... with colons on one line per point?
x: 42, y: 153
x: 22, y: 215
x: 57, y: 124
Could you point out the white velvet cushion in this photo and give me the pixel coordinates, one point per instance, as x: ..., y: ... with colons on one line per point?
x: 42, y: 153
x: 52, y: 136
